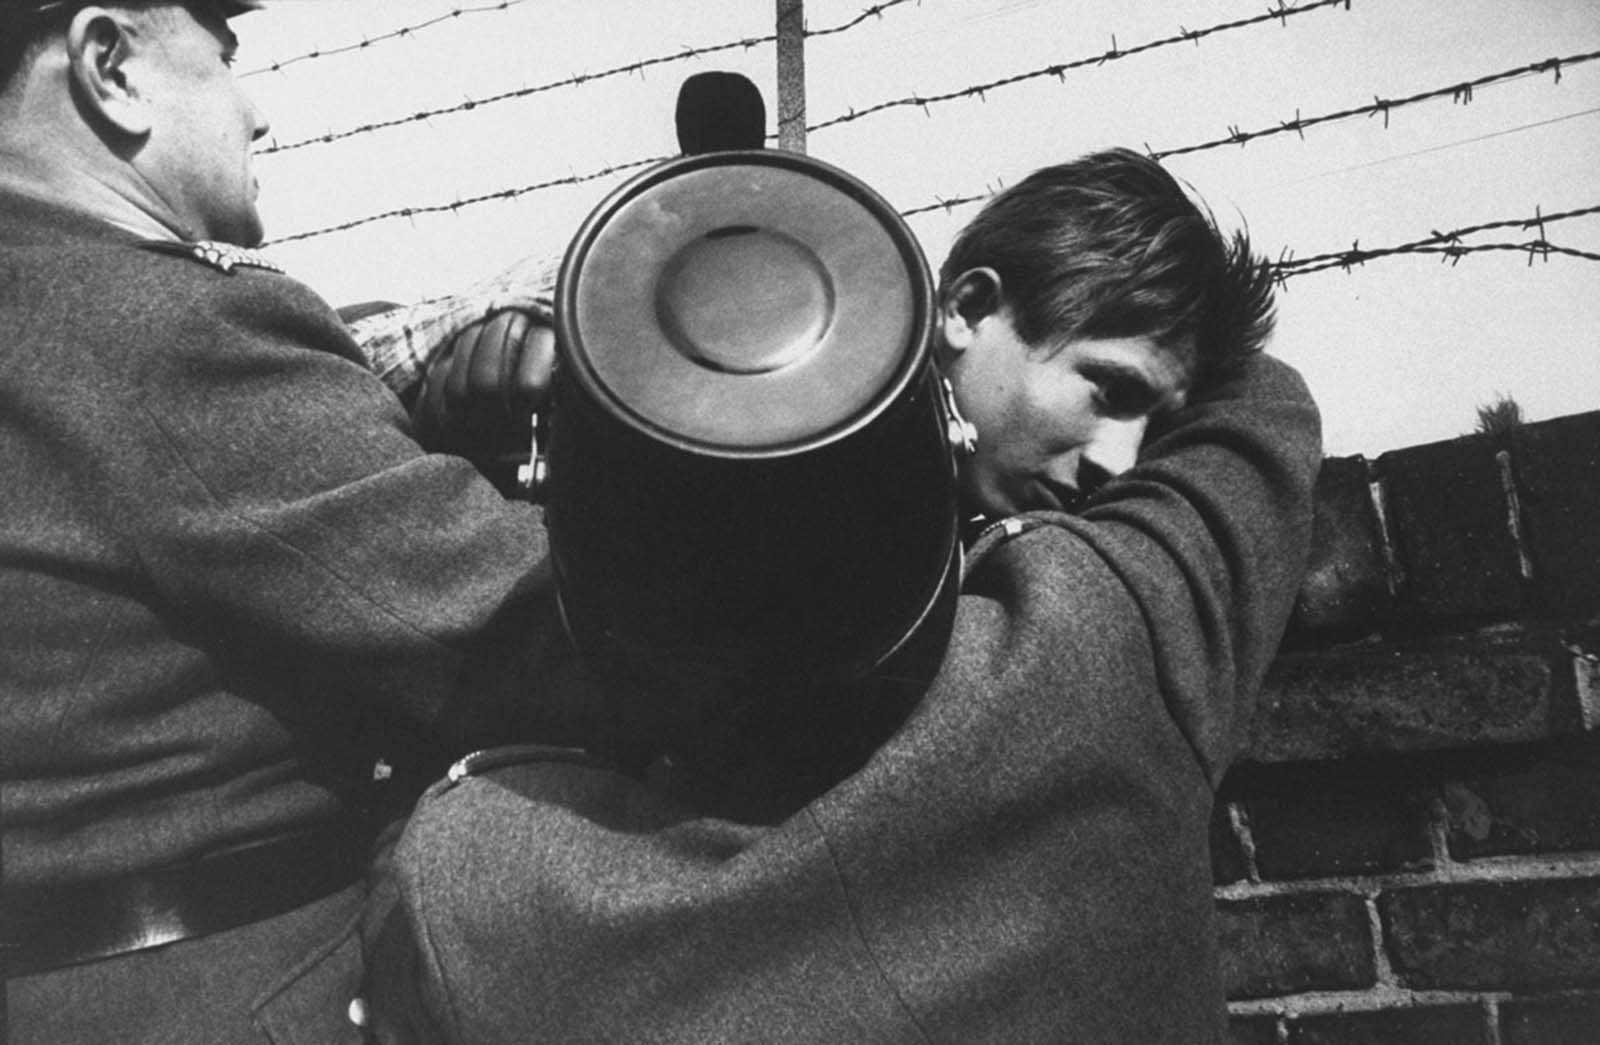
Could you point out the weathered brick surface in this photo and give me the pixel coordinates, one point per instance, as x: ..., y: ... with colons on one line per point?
x: 1536, y: 934
x: 1281, y: 944
x: 1355, y: 700
x: 1346, y: 587
x: 1557, y: 465
x: 1344, y: 818
x: 1545, y: 801
x: 1423, y: 1025
x: 1358, y: 744
x: 1560, y: 1020
x: 1449, y: 520
x: 1253, y: 1030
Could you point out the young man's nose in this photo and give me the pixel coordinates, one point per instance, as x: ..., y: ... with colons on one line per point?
x: 1113, y: 450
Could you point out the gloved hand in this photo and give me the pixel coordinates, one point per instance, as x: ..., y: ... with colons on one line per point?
x: 481, y: 391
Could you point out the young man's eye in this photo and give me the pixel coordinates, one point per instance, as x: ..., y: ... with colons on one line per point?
x: 1121, y: 398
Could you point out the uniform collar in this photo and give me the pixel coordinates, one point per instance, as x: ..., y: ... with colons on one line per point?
x: 27, y: 220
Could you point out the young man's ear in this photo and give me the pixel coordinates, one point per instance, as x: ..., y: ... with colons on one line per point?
x: 968, y: 300
x: 99, y: 47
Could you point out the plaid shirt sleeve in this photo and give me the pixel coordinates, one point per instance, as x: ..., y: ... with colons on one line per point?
x: 400, y: 343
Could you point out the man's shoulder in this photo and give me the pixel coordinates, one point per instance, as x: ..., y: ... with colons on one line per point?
x: 149, y: 312
x: 514, y: 782
x: 507, y: 810
x: 81, y: 269
x: 216, y: 272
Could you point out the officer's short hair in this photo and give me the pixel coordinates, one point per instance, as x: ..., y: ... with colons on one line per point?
x: 1111, y: 245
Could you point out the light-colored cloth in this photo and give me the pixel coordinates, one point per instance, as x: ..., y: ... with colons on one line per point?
x: 399, y: 343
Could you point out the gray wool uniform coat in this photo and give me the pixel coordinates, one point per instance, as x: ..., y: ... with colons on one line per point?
x: 1025, y: 860
x: 229, y: 583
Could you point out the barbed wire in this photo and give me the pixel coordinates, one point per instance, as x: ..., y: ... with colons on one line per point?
x: 1538, y: 248
x: 398, y: 34
x: 1281, y: 13
x: 1459, y: 92
x: 1447, y: 244
x: 442, y: 208
x: 578, y: 80
x: 875, y: 11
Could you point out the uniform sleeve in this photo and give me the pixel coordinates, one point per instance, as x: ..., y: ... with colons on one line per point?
x: 1210, y: 535
x: 276, y: 501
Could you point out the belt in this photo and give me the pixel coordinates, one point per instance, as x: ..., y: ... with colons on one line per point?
x: 51, y: 927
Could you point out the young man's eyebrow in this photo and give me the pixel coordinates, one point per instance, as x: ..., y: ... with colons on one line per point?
x: 1110, y: 368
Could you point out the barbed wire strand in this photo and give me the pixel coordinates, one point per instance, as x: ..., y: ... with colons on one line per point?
x: 1448, y: 244
x: 442, y: 208
x: 1538, y: 248
x: 1460, y: 92
x: 875, y: 11
x: 578, y: 80
x: 402, y: 33
x: 1443, y: 146
x: 1281, y: 14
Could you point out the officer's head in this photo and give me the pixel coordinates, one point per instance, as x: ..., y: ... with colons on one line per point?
x: 137, y: 99
x: 1078, y: 304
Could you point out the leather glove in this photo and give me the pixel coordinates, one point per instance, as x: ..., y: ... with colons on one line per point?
x: 481, y: 391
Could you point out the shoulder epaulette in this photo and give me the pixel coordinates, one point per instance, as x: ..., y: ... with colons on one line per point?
x: 224, y: 257
x: 996, y: 532
x: 520, y: 754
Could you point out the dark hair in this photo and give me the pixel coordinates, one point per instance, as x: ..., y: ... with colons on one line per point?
x: 1111, y: 245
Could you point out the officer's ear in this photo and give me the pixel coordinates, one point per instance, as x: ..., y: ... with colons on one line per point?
x: 970, y: 298
x: 100, y: 47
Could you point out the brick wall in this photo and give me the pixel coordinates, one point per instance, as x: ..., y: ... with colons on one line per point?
x: 1410, y: 852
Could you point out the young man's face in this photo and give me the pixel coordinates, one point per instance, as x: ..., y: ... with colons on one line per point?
x: 198, y: 156
x: 1054, y: 420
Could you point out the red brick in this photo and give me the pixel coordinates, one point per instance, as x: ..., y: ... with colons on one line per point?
x: 1534, y: 934
x: 1282, y: 944
x: 1340, y: 818
x: 1557, y: 465
x: 1559, y: 1020
x: 1545, y: 801
x: 1355, y: 700
x: 1449, y: 520
x: 1346, y: 588
x: 1253, y: 1030
x: 1430, y: 1025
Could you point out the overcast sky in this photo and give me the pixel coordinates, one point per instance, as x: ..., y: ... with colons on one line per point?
x: 1399, y: 351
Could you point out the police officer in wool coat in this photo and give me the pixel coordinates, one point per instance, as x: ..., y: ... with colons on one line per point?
x: 235, y: 592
